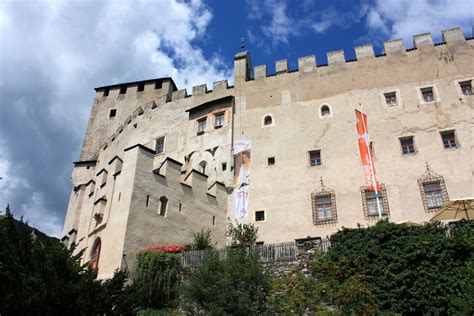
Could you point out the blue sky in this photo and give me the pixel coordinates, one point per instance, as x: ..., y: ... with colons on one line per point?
x: 53, y: 53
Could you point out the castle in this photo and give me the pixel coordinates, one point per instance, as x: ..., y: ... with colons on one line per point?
x: 157, y: 163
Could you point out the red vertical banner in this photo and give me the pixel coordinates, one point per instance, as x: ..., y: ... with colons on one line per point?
x: 365, y: 151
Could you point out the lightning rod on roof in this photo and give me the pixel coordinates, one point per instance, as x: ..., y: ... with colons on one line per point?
x: 242, y: 43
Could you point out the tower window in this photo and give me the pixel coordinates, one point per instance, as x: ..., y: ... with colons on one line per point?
x: 163, y: 206
x: 141, y: 87
x: 219, y: 120
x: 112, y: 113
x: 268, y: 120
x: 325, y: 111
x: 428, y: 94
x: 466, y: 87
x: 260, y: 216
x: 314, y: 158
x: 106, y: 92
x: 201, y: 126
x: 408, y: 145
x: 147, y: 200
x: 224, y: 166
x: 391, y: 99
x: 160, y: 145
x: 271, y: 161
x: 449, y: 139
x: 123, y: 89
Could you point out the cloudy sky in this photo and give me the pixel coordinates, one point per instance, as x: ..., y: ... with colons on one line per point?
x: 53, y: 53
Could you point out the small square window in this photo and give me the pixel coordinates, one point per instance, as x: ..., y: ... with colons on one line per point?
x: 271, y: 161
x: 391, y: 99
x: 201, y: 126
x: 224, y: 166
x: 160, y: 145
x: 123, y: 89
x: 466, y: 87
x: 158, y: 84
x: 260, y: 216
x: 219, y: 120
x: 112, y: 113
x: 449, y: 139
x: 428, y: 94
x: 106, y: 92
x: 408, y: 145
x: 141, y: 87
x: 314, y: 158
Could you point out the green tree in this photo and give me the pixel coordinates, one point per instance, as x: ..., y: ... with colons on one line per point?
x: 244, y: 235
x: 202, y: 240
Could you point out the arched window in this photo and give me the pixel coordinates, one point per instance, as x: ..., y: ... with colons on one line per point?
x: 95, y: 254
x: 325, y: 110
x: 203, y: 165
x: 163, y: 205
x: 267, y: 120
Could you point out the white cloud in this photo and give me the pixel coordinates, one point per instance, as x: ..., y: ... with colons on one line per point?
x: 53, y: 54
x: 405, y: 18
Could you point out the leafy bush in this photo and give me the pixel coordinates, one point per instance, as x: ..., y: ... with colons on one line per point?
x: 244, y: 235
x: 202, y: 240
x: 236, y: 285
x: 408, y: 269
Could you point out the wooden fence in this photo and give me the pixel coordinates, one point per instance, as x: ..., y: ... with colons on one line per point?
x: 286, y: 251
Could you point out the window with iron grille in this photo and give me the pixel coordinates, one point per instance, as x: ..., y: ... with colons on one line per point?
x: 160, y: 145
x: 219, y: 120
x: 314, y: 158
x: 433, y: 191
x: 260, y: 216
x: 391, y: 99
x: 449, y: 139
x: 466, y: 87
x: 323, y: 206
x: 408, y: 145
x: 369, y: 202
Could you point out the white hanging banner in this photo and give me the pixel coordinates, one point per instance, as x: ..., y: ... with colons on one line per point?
x: 241, y: 177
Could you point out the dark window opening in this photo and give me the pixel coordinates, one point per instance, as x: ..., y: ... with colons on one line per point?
x: 268, y: 120
x: 160, y: 145
x: 408, y: 145
x: 391, y: 99
x: 112, y: 113
x: 325, y: 111
x: 213, y: 221
x: 260, y: 216
x: 428, y: 95
x: 180, y: 207
x: 466, y: 87
x: 141, y: 87
x: 449, y: 139
x: 201, y: 126
x: 271, y: 161
x: 224, y: 166
x: 315, y: 158
x: 147, y: 200
x: 123, y: 89
x: 158, y: 84
x: 163, y: 205
x: 106, y: 92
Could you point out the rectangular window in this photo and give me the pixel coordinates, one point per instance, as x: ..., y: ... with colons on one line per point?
x: 112, y: 113
x: 141, y: 87
x: 391, y: 99
x: 408, y: 145
x: 449, y: 139
x: 158, y: 84
x: 224, y: 166
x: 201, y: 126
x: 219, y: 120
x: 314, y: 158
x: 123, y: 89
x: 324, y: 207
x: 160, y: 145
x: 106, y: 92
x: 466, y: 87
x: 271, y: 161
x: 434, y: 195
x: 428, y: 94
x: 369, y: 202
x: 260, y: 216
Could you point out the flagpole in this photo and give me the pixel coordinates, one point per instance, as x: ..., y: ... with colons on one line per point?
x: 374, y: 182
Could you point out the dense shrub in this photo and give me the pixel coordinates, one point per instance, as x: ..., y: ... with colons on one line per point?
x: 408, y: 269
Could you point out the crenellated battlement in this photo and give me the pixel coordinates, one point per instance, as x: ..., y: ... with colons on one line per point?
x: 453, y: 36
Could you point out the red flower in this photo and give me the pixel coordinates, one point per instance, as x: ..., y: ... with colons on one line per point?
x: 169, y: 248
